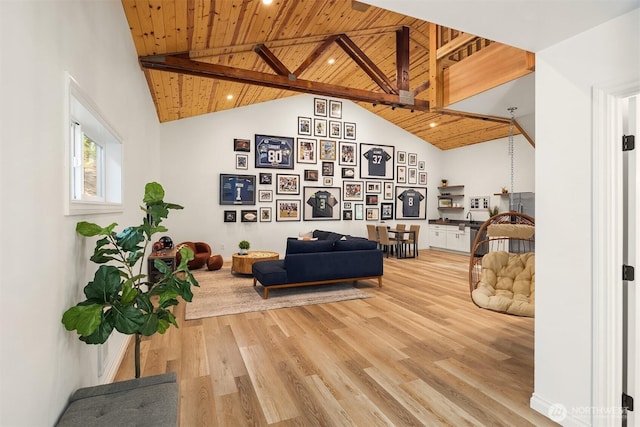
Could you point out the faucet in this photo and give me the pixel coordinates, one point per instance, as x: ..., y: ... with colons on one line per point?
x: 469, y: 216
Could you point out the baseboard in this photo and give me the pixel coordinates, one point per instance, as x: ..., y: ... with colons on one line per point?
x: 555, y: 412
x: 111, y: 372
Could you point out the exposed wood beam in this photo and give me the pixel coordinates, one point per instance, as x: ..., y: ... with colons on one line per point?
x: 179, y: 63
x: 435, y: 74
x: 486, y: 69
x: 454, y: 44
x: 271, y: 60
x: 367, y: 65
x: 489, y: 118
x: 317, y: 53
x: 524, y: 133
x: 424, y: 86
x: 402, y: 58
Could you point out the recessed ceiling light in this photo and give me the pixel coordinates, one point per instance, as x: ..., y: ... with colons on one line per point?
x: 432, y: 124
x: 229, y: 97
x: 331, y: 61
x: 267, y: 1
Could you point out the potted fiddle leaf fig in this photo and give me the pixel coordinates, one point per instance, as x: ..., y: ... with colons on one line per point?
x: 121, y: 296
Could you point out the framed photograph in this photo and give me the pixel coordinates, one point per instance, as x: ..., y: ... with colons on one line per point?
x: 402, y: 174
x: 229, y: 216
x: 349, y: 130
x: 348, y: 156
x: 237, y: 189
x: 358, y: 211
x: 304, y: 126
x: 374, y: 187
x: 242, y: 161
x: 413, y: 176
x: 372, y: 214
x: 335, y: 109
x: 348, y: 173
x: 352, y: 190
x: 412, y: 159
x: 411, y: 203
x: 310, y: 175
x: 335, y: 129
x: 421, y: 165
x: 402, y: 158
x: 346, y: 205
x: 327, y: 149
x: 265, y: 214
x: 287, y: 183
x: 372, y: 199
x: 386, y: 211
x: 347, y: 215
x: 377, y: 161
x: 320, y: 127
x: 327, y: 168
x: 321, y: 203
x: 266, y: 178
x: 241, y: 145
x: 265, y: 195
x: 320, y: 107
x: 327, y: 181
x: 422, y: 178
x: 249, y: 215
x: 306, y: 150
x: 388, y: 191
x: 274, y: 152
x: 287, y: 210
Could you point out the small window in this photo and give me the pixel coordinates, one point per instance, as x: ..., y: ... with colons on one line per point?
x: 95, y: 159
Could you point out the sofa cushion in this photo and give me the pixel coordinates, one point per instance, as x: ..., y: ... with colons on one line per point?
x: 354, y: 244
x: 270, y: 272
x: 295, y: 246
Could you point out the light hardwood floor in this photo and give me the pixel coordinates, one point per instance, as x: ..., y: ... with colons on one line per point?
x: 418, y: 353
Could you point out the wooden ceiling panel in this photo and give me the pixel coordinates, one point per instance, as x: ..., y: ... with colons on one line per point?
x: 227, y: 33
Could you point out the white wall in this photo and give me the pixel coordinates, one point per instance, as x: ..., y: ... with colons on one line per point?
x: 565, y: 75
x: 44, y: 264
x: 485, y: 168
x: 195, y: 151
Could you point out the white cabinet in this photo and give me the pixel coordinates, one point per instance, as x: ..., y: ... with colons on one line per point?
x: 449, y: 237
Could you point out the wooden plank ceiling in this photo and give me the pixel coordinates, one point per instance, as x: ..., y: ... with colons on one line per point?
x: 195, y: 53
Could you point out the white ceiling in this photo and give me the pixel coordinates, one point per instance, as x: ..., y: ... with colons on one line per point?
x: 532, y: 25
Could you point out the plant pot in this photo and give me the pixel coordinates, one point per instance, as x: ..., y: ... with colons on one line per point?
x: 243, y: 252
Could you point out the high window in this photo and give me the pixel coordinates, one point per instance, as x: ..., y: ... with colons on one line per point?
x: 95, y: 158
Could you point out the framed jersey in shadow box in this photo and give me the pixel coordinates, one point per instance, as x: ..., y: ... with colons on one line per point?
x: 237, y: 189
x: 377, y: 161
x: 321, y: 203
x: 274, y: 152
x: 411, y: 202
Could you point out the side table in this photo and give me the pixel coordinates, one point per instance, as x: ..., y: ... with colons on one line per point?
x: 168, y: 256
x: 243, y: 263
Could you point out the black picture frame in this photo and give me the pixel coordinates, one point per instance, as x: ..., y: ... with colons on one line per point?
x: 230, y: 216
x: 241, y: 145
x: 276, y: 152
x: 320, y: 107
x: 335, y: 129
x: 249, y: 215
x: 411, y: 202
x: 349, y: 131
x: 288, y: 183
x: 321, y: 203
x: 266, y: 178
x: 288, y: 210
x: 304, y: 126
x: 353, y: 190
x: 320, y: 127
x: 242, y: 161
x: 348, y: 173
x: 347, y: 215
x: 372, y: 199
x: 377, y: 161
x: 348, y: 153
x: 265, y: 214
x: 237, y: 189
x: 327, y: 168
x: 386, y: 211
x: 265, y: 196
x: 307, y: 150
x: 335, y: 109
x: 310, y: 175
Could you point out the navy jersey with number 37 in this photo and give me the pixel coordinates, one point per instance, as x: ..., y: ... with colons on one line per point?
x: 378, y: 159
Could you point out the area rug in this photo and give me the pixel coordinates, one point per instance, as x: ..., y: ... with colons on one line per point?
x: 221, y: 293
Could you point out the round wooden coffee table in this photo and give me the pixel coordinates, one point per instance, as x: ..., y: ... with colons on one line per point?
x: 243, y: 263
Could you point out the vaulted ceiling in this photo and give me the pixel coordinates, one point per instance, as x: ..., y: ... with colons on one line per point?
x: 203, y: 56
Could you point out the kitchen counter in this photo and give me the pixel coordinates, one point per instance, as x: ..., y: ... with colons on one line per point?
x: 455, y: 222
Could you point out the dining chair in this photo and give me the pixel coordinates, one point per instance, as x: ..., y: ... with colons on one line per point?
x: 413, y: 237
x: 385, y: 242
x: 400, y: 238
x: 372, y: 233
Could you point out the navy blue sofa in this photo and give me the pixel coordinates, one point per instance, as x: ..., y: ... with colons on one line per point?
x: 332, y: 258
